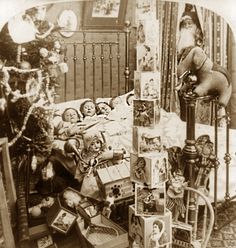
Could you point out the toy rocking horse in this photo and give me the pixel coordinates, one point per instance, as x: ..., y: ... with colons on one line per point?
x: 211, y: 78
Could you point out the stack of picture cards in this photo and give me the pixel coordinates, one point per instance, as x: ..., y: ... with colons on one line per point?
x: 150, y: 222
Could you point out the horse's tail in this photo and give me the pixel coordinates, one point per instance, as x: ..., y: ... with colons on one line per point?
x: 221, y: 69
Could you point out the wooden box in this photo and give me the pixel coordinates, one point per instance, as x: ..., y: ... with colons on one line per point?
x: 114, y: 180
x: 149, y: 202
x: 148, y: 32
x: 118, y: 239
x: 146, y: 113
x: 150, y: 171
x: 147, y: 141
x: 147, y: 85
x: 141, y: 229
x: 60, y: 218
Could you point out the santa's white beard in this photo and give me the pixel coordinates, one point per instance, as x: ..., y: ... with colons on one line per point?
x: 186, y: 38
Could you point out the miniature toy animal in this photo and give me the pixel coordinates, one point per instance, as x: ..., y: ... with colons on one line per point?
x: 212, y: 79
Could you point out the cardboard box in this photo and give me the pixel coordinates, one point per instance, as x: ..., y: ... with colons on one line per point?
x: 60, y: 218
x: 150, y: 171
x: 146, y: 84
x: 149, y: 202
x: 146, y: 113
x: 114, y: 180
x: 141, y: 229
x: 118, y: 239
x: 147, y: 141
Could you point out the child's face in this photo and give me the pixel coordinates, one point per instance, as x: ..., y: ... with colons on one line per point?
x: 104, y: 108
x: 95, y: 145
x: 89, y: 109
x: 71, y: 116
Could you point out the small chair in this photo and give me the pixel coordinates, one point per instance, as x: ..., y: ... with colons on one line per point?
x: 202, y: 223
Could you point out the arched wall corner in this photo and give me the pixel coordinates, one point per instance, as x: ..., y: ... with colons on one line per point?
x: 225, y: 9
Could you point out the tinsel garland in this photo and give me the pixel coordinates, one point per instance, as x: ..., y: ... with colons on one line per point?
x: 34, y: 129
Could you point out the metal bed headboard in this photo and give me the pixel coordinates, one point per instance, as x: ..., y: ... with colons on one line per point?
x: 98, y: 64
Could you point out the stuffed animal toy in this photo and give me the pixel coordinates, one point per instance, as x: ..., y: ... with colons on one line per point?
x: 212, y: 79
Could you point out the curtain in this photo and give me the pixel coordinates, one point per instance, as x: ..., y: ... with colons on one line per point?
x: 215, y: 38
x: 168, y: 19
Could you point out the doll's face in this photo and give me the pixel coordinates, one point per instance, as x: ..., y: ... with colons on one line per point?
x: 71, y: 116
x: 71, y: 199
x: 95, y: 145
x: 116, y: 101
x: 89, y: 109
x: 207, y: 149
x: 104, y: 108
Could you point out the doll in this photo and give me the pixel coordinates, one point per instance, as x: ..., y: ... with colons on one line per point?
x: 69, y: 124
x: 103, y: 108
x: 71, y: 198
x: 175, y: 196
x: 115, y: 102
x: 36, y: 211
x: 94, y: 145
x: 88, y: 109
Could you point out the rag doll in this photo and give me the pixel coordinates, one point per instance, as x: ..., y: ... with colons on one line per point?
x: 175, y: 196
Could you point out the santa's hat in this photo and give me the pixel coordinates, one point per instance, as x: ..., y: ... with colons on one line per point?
x: 192, y: 15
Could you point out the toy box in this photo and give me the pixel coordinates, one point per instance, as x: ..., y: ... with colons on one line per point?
x: 61, y: 218
x: 146, y: 84
x: 150, y: 171
x: 143, y: 231
x: 145, y: 9
x: 114, y: 180
x: 182, y: 235
x: 146, y: 113
x: 147, y: 141
x: 148, y: 32
x: 149, y: 202
x: 102, y: 233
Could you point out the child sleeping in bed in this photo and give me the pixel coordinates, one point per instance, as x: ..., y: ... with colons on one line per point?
x: 69, y: 124
x: 88, y: 109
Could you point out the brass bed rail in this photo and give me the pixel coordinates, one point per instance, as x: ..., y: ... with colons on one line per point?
x: 98, y: 64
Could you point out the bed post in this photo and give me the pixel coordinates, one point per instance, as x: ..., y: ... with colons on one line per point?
x: 127, y: 46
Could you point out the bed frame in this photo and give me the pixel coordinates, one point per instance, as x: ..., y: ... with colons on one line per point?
x: 110, y: 77
x: 98, y: 67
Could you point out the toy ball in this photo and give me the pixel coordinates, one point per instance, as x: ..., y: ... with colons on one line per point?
x: 25, y: 65
x: 36, y: 211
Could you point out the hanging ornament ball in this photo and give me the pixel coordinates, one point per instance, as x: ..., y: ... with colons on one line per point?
x: 25, y: 65
x: 36, y: 211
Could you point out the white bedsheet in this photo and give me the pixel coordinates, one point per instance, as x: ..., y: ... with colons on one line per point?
x: 118, y: 131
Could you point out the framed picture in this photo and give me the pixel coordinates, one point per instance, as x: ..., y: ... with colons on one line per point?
x: 63, y: 221
x: 104, y: 14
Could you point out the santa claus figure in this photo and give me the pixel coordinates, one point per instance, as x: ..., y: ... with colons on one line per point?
x: 190, y: 33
